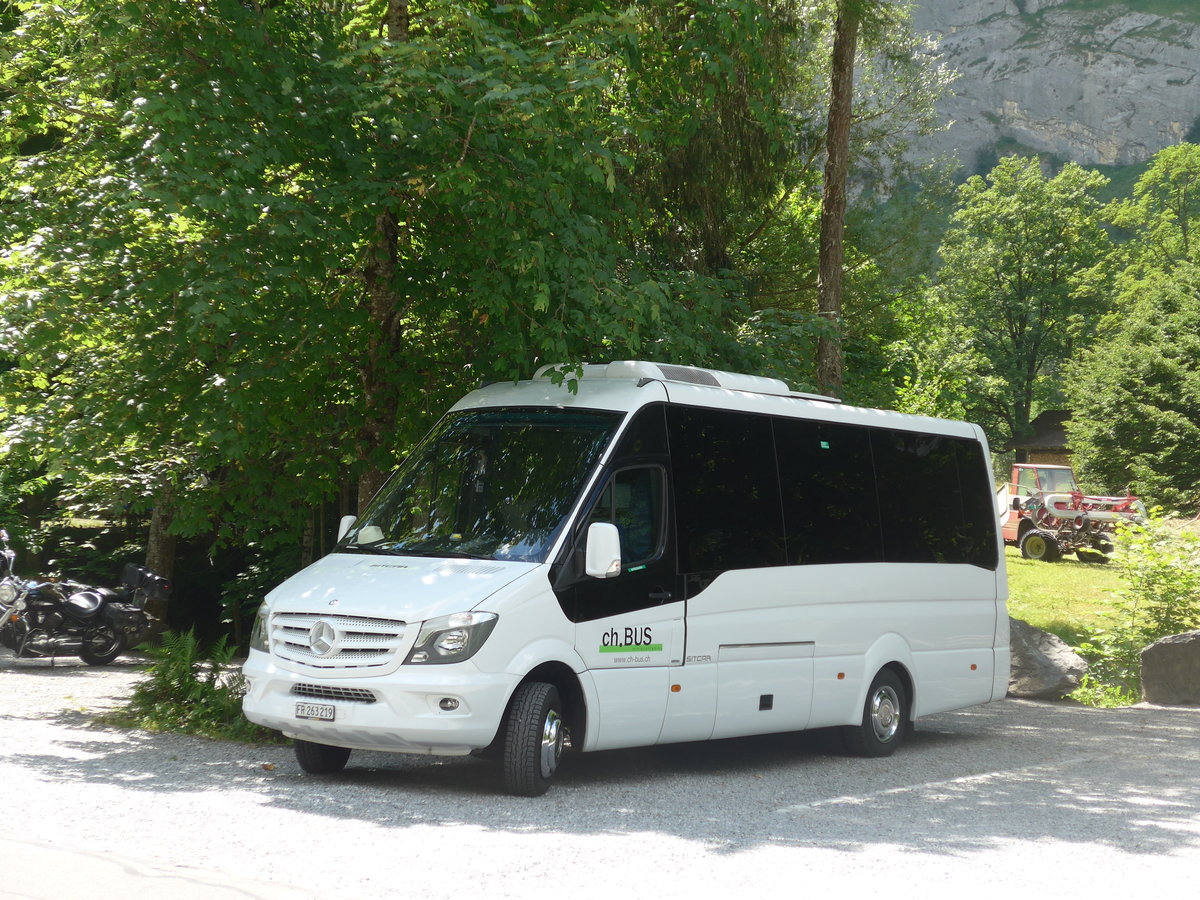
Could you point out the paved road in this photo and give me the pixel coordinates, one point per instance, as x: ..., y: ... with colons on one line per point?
x: 1069, y: 802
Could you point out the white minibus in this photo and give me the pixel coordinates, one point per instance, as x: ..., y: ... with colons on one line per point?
x: 663, y: 554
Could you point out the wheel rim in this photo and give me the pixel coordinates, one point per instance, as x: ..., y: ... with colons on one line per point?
x: 1036, y: 545
x: 552, y: 741
x: 885, y: 713
x: 103, y: 641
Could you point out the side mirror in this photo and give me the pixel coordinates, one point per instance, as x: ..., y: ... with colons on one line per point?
x: 345, y: 525
x: 1016, y: 504
x: 602, y: 559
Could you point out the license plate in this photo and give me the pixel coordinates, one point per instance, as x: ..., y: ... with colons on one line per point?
x: 320, y: 711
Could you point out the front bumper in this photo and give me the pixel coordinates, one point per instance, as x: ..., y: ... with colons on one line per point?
x: 400, y: 712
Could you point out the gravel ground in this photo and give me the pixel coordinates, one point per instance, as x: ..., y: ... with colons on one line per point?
x: 1058, y: 798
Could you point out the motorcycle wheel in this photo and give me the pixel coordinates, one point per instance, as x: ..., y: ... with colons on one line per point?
x: 8, y: 636
x: 102, y: 643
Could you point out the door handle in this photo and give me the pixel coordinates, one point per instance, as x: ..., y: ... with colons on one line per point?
x: 660, y: 596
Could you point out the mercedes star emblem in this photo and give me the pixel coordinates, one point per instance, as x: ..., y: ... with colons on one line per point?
x: 321, y: 637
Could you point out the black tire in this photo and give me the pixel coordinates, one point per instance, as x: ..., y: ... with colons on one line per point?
x: 102, y: 642
x: 534, y: 733
x: 320, y: 759
x: 1040, y: 545
x: 884, y: 720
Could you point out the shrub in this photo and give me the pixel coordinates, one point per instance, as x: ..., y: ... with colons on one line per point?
x: 1160, y: 570
x: 192, y: 690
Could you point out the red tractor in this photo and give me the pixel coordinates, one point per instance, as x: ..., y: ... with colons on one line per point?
x: 1043, y: 512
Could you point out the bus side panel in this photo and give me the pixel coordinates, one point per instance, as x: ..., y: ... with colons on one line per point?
x: 763, y: 688
x: 692, y: 704
x: 746, y: 624
x: 630, y: 705
x: 952, y: 679
x: 938, y: 621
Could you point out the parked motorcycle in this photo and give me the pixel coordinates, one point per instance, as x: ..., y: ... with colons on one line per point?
x: 58, y: 618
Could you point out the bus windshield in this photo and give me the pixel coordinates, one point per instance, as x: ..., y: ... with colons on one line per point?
x: 486, y: 484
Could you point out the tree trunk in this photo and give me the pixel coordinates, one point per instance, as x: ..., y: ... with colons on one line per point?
x: 395, y: 20
x: 833, y: 203
x: 160, y: 545
x: 384, y: 303
x: 379, y: 396
x: 308, y: 540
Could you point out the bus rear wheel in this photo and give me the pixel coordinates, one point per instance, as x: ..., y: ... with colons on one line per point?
x: 884, y: 720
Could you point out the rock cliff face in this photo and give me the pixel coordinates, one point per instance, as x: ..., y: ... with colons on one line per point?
x: 1086, y: 80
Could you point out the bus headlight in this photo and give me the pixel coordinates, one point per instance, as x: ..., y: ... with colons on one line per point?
x: 451, y: 639
x: 258, y: 634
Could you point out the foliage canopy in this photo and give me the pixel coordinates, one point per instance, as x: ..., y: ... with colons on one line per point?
x: 1014, y: 262
x: 192, y: 260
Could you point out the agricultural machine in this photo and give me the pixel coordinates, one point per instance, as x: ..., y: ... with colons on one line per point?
x: 1044, y: 513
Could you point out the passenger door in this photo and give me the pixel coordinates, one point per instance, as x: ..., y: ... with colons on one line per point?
x: 629, y: 628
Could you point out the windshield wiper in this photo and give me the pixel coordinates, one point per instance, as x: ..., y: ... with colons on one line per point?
x: 371, y: 548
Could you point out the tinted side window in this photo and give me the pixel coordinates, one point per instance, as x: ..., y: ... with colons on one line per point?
x: 727, y: 505
x: 827, y: 480
x: 646, y: 435
x: 633, y: 500
x: 978, y: 536
x: 927, y: 516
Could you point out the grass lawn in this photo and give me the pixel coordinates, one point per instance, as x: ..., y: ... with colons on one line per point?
x: 1064, y: 597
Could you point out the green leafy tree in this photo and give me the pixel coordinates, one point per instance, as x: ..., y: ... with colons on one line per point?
x: 251, y: 250
x: 269, y: 243
x: 1016, y: 262
x: 1164, y: 213
x: 163, y: 255
x: 779, y: 249
x: 1135, y: 394
x: 730, y: 72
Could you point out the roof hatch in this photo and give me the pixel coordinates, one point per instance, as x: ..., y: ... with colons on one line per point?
x: 637, y: 370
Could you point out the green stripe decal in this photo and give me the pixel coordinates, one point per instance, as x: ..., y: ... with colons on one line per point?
x: 633, y: 648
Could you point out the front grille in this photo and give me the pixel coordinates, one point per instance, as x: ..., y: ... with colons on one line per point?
x: 357, y: 641
x: 353, y: 695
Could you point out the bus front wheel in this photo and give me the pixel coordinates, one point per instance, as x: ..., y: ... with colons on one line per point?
x: 533, y: 740
x: 320, y: 759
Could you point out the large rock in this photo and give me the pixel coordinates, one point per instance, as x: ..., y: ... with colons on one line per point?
x: 1171, y: 670
x: 1043, y: 666
x: 1091, y: 82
